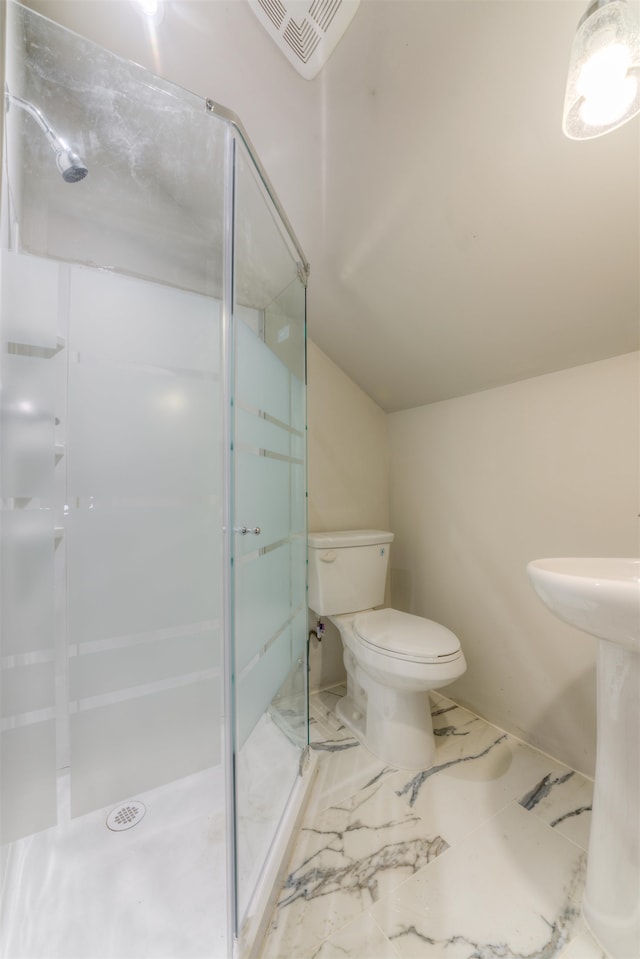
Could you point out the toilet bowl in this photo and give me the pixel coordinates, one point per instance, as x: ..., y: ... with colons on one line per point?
x: 392, y: 658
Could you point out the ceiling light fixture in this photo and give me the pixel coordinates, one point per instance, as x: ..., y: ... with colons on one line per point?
x: 603, y: 86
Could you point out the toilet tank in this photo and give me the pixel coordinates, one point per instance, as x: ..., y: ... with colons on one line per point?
x: 347, y: 570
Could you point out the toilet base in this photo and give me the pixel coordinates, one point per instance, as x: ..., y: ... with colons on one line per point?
x: 395, y: 725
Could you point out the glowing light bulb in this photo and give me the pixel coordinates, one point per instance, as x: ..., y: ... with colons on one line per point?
x: 603, y: 83
x: 607, y: 67
x: 610, y: 104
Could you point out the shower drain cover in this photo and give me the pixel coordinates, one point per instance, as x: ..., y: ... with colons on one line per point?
x: 126, y: 816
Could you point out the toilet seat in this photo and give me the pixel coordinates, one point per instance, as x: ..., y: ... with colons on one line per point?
x: 405, y: 636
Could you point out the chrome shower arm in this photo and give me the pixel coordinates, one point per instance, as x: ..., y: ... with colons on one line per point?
x: 37, y: 115
x: 68, y: 162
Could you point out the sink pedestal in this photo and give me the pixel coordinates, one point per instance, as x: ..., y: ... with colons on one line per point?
x: 602, y: 597
x: 611, y: 903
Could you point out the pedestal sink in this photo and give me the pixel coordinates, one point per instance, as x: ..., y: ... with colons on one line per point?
x: 602, y: 597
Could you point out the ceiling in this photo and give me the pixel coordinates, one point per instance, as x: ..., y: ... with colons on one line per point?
x: 457, y: 240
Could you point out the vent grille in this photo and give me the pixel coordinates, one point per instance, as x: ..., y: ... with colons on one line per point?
x: 302, y: 39
x: 275, y: 10
x: 305, y: 30
x: 323, y: 12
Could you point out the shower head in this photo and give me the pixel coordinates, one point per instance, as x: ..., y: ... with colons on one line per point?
x: 68, y: 162
x: 70, y: 165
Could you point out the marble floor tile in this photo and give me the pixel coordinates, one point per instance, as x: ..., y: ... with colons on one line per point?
x: 562, y: 799
x: 360, y: 939
x: 583, y: 945
x: 478, y: 770
x: 511, y: 888
x: 323, y: 703
x: 348, y: 857
x: 482, y: 856
x: 343, y: 770
x: 326, y: 731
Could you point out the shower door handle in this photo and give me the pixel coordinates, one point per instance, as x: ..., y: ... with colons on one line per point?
x: 243, y: 530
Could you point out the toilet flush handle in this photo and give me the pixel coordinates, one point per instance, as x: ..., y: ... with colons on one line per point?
x: 329, y: 557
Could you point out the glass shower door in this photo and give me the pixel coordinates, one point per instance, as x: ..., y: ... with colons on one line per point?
x: 113, y: 817
x: 269, y: 509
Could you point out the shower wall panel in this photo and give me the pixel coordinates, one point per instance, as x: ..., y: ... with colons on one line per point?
x: 143, y: 539
x: 111, y: 563
x: 28, y: 343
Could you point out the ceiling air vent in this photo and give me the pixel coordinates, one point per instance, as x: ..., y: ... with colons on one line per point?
x: 306, y: 31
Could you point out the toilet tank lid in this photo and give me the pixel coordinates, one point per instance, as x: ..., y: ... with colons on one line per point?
x: 349, y: 537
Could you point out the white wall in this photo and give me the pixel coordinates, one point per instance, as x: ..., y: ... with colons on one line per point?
x: 348, y: 476
x: 484, y: 483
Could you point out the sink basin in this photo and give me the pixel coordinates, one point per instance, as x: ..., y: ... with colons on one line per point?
x: 599, y: 596
x: 602, y: 597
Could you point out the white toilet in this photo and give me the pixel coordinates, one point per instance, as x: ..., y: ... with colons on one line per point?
x: 391, y: 658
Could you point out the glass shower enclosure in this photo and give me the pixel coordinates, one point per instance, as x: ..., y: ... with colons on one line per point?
x: 153, y: 512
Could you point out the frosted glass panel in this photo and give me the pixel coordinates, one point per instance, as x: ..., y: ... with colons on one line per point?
x: 27, y: 580
x: 298, y: 444
x: 135, y: 745
x: 143, y: 534
x: 101, y: 672
x: 29, y: 300
x: 135, y: 433
x: 262, y: 498
x: 124, y: 319
x: 28, y: 782
x: 27, y: 688
x: 27, y: 427
x: 263, y: 602
x: 255, y: 431
x: 257, y: 688
x: 137, y: 570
